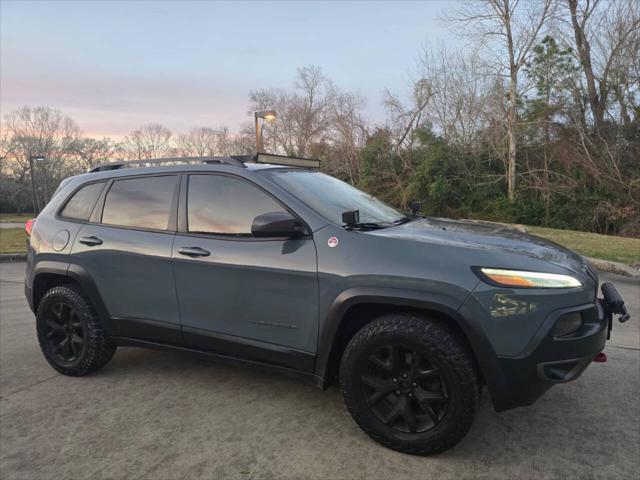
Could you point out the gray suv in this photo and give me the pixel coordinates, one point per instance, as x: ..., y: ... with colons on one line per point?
x: 280, y: 266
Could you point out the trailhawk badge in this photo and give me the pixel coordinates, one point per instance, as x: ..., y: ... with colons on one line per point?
x: 332, y: 242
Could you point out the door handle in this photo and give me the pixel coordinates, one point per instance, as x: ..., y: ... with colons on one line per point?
x: 90, y: 241
x: 194, y: 252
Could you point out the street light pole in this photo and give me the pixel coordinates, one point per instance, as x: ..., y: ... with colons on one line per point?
x: 268, y: 115
x: 258, y: 134
x: 34, y: 196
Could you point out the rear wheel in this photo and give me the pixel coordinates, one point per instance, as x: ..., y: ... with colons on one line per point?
x: 70, y: 334
x: 410, y: 384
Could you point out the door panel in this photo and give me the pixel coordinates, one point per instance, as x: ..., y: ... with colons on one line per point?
x: 129, y: 262
x: 133, y: 273
x: 259, y: 290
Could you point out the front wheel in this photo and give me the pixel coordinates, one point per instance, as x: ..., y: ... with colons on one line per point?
x: 410, y: 384
x: 70, y: 334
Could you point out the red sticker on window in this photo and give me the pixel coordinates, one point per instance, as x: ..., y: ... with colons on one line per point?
x: 332, y: 242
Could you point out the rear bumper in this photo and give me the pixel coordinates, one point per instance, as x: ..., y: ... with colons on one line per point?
x: 549, y: 359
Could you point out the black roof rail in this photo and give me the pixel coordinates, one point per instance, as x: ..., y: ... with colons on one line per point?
x: 235, y: 161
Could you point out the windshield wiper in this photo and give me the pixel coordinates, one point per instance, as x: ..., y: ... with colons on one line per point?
x: 404, y: 219
x: 407, y: 219
x: 366, y: 225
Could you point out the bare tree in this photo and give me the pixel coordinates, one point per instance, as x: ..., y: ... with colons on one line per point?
x: 348, y: 134
x: 316, y: 119
x: 46, y: 134
x: 606, y: 37
x: 404, y: 119
x: 14, y: 189
x: 303, y: 115
x: 150, y: 141
x: 90, y: 152
x: 508, y: 29
x: 460, y: 86
x: 242, y: 143
x: 199, y: 142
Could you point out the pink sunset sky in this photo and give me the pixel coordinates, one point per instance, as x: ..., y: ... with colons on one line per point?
x: 113, y: 66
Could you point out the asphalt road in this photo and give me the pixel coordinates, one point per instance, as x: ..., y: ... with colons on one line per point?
x: 152, y: 414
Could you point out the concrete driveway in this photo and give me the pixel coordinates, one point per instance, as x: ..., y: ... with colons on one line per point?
x: 152, y: 414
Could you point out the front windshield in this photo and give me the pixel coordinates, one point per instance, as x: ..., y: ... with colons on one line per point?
x: 331, y: 197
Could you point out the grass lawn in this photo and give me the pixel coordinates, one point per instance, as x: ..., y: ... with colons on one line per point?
x: 13, y: 240
x: 606, y: 247
x: 12, y: 217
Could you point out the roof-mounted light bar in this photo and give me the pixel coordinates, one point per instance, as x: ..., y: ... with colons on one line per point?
x: 287, y: 161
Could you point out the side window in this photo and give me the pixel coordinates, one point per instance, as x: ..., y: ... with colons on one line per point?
x: 80, y: 205
x: 225, y: 206
x: 143, y: 202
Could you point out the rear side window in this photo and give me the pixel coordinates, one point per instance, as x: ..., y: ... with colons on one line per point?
x: 143, y: 202
x: 223, y: 205
x: 80, y: 205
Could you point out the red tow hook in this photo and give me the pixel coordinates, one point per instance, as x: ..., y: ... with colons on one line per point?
x: 600, y: 358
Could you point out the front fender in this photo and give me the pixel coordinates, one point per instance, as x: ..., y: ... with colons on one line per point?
x: 452, y: 307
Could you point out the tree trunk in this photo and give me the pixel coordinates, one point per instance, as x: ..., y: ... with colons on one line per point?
x: 512, y: 114
x: 511, y: 135
x: 584, y: 53
x: 625, y: 118
x: 511, y: 165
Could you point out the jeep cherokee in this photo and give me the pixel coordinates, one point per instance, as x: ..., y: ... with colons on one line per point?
x: 280, y: 266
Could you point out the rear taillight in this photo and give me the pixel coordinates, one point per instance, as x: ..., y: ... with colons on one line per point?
x: 29, y: 226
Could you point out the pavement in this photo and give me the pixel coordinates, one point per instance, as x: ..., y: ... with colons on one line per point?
x: 12, y: 225
x: 155, y: 414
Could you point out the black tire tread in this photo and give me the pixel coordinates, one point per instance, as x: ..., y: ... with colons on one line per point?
x: 100, y: 348
x: 434, y: 335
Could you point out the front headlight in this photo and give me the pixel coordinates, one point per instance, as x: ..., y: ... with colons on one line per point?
x: 518, y: 278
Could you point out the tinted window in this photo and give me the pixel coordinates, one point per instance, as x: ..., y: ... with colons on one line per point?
x: 224, y: 205
x: 81, y: 204
x: 140, y: 202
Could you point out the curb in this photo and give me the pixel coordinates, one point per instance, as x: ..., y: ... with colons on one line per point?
x: 13, y: 257
x: 614, y: 267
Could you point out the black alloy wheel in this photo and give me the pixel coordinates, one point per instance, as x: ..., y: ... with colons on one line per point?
x: 70, y: 333
x: 65, y: 332
x: 405, y: 390
x: 410, y: 383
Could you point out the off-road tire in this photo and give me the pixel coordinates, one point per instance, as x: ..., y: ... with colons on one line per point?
x: 97, y: 349
x: 444, y: 350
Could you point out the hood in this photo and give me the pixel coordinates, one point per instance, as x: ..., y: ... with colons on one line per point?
x: 485, y: 236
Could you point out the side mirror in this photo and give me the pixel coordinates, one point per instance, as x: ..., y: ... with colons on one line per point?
x: 277, y: 224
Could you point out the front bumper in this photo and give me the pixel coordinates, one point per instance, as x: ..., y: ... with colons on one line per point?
x: 550, y: 359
